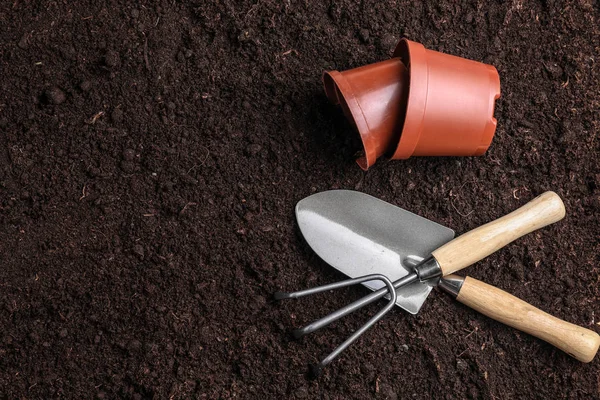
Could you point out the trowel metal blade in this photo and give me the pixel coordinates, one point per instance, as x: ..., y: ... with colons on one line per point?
x: 360, y: 235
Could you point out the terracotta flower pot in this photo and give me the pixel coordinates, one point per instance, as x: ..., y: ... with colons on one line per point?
x: 373, y: 98
x: 421, y: 103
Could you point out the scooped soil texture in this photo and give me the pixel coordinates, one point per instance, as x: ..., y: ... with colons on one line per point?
x: 151, y: 157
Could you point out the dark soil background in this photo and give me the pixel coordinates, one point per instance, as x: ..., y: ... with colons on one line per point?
x: 151, y: 156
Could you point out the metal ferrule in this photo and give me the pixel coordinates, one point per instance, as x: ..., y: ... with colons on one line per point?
x: 429, y: 270
x: 451, y: 284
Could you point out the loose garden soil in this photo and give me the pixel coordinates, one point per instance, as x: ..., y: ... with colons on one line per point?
x: 151, y: 157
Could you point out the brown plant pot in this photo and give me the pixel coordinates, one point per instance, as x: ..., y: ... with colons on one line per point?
x: 421, y: 103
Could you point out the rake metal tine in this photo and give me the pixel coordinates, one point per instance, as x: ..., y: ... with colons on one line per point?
x: 330, y: 286
x: 349, y: 282
x: 350, y: 308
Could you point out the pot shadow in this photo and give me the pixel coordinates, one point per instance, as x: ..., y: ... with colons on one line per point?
x: 335, y: 140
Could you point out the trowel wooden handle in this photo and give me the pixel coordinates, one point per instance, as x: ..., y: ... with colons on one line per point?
x: 574, y: 340
x: 483, y: 241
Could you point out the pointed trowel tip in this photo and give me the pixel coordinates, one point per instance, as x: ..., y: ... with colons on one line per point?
x: 317, y: 198
x: 302, y: 203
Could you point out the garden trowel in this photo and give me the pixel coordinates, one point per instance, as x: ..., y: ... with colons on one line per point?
x: 401, y: 255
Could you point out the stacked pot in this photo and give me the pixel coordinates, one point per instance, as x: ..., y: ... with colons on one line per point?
x: 419, y: 103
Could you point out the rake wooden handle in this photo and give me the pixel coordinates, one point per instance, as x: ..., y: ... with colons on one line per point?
x: 574, y: 340
x: 479, y: 243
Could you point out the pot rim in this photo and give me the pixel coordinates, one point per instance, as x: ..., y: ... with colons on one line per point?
x: 339, y: 91
x: 414, y: 57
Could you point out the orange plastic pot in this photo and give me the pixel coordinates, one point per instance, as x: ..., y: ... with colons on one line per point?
x: 373, y: 98
x: 419, y: 103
